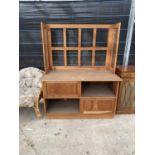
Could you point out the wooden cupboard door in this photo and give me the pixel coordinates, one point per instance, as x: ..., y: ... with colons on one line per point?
x: 97, y: 106
x: 126, y: 97
x: 62, y: 90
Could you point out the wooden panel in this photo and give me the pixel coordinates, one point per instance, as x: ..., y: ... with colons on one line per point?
x: 126, y: 97
x: 97, y: 106
x: 115, y: 86
x: 82, y: 25
x: 62, y: 90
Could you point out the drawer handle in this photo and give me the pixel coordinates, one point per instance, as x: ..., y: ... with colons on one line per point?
x: 96, y: 112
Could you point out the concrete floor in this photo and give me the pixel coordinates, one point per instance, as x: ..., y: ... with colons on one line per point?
x: 75, y: 136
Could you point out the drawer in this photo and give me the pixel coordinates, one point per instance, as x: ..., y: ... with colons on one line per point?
x: 61, y: 89
x: 97, y: 106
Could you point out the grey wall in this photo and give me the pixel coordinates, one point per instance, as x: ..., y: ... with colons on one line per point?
x: 92, y: 11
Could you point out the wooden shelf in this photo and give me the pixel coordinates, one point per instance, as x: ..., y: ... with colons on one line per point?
x: 80, y: 75
x: 100, y: 89
x: 60, y: 106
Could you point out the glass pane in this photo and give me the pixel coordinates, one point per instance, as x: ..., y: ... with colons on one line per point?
x: 101, y: 37
x: 72, y: 37
x: 87, y: 38
x: 58, y: 58
x: 57, y: 37
x: 86, y: 58
x: 72, y: 57
x: 100, y: 58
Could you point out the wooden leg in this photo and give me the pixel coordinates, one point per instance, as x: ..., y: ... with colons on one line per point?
x: 36, y: 108
x: 36, y: 105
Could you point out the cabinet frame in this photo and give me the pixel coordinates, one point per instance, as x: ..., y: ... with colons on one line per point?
x: 65, y: 82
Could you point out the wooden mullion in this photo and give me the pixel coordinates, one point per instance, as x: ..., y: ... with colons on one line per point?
x: 109, y: 49
x: 65, y: 51
x: 117, y: 44
x: 51, y: 53
x: 49, y: 48
x: 44, y: 47
x: 94, y: 45
x: 101, y: 48
x: 79, y: 46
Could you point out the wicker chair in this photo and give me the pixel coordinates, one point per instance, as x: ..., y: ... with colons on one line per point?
x: 30, y: 91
